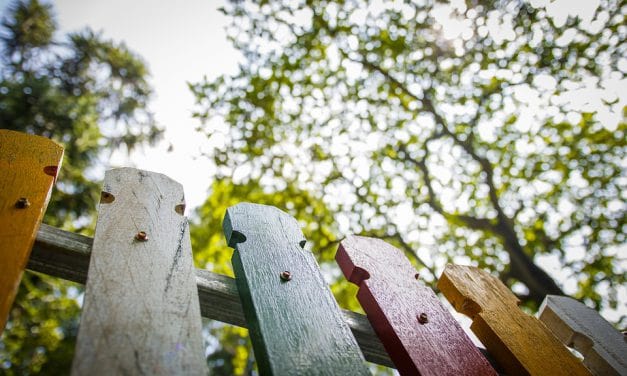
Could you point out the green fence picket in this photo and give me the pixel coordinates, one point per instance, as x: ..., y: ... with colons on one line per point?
x: 296, y: 326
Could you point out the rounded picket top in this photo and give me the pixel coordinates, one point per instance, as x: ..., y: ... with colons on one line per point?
x: 248, y: 217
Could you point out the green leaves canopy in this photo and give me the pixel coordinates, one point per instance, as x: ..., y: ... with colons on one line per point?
x: 461, y: 132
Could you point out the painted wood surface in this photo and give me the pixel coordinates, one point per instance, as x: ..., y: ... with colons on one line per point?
x: 28, y: 169
x: 419, y: 333
x: 519, y: 342
x: 66, y: 255
x: 295, y: 325
x: 141, y: 313
x: 603, y: 347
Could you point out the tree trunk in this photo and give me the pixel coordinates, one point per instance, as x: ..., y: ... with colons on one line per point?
x: 522, y: 267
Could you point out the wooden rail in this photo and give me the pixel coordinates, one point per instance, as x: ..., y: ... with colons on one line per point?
x: 66, y: 255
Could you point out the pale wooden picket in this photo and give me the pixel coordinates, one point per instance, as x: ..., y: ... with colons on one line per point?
x: 604, y: 348
x: 141, y: 313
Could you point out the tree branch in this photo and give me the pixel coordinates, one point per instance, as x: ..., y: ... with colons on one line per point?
x: 474, y: 223
x: 396, y: 234
x: 522, y: 266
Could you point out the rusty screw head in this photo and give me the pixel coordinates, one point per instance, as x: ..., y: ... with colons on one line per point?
x: 22, y: 203
x: 423, y: 318
x: 286, y: 276
x: 141, y: 236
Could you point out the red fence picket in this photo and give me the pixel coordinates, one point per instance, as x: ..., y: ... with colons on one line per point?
x: 418, y: 332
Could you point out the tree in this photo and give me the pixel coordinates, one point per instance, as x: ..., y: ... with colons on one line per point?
x: 460, y: 132
x: 85, y: 92
x: 89, y: 94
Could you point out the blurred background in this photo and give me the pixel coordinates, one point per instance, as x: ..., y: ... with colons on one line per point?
x: 488, y: 133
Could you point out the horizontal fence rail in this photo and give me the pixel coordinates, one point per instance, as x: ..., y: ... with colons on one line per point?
x: 66, y: 255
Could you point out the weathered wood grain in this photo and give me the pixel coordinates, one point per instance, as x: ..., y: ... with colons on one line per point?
x: 519, y: 342
x: 295, y: 325
x: 419, y: 333
x: 604, y: 348
x: 66, y: 255
x: 28, y: 168
x: 141, y: 313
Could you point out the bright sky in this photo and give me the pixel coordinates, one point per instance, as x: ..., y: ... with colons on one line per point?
x: 181, y: 43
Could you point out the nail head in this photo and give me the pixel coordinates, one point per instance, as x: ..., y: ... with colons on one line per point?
x: 141, y: 236
x: 423, y: 318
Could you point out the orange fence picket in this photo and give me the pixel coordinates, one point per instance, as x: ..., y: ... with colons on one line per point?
x: 519, y: 342
x: 28, y: 169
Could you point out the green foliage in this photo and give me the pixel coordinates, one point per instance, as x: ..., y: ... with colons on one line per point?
x: 90, y: 95
x: 40, y: 336
x: 461, y: 132
x: 85, y: 92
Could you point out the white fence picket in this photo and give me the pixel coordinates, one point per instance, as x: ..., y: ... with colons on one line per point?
x: 141, y: 313
x: 604, y: 348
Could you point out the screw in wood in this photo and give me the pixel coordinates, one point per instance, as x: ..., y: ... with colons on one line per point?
x: 286, y: 276
x: 423, y: 318
x: 141, y: 236
x: 22, y: 203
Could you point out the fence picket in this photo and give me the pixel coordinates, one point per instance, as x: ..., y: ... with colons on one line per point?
x: 519, y: 342
x: 603, y: 347
x: 28, y: 168
x: 418, y: 332
x: 295, y: 325
x: 141, y: 313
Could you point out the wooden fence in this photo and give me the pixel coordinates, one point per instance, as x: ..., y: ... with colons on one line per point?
x: 144, y: 299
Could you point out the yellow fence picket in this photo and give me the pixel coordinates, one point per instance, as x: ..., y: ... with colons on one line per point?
x: 28, y: 168
x: 519, y: 342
